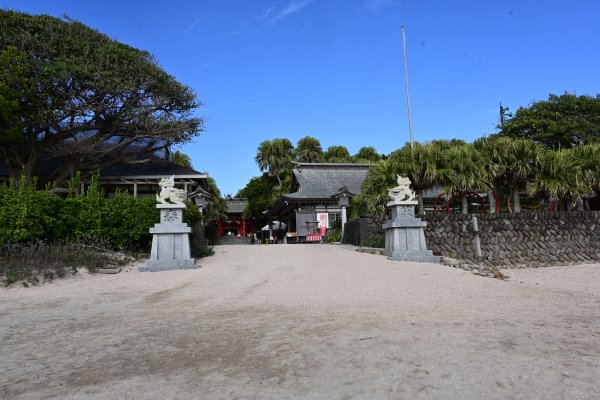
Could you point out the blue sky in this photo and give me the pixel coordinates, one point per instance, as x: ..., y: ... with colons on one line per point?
x: 333, y: 69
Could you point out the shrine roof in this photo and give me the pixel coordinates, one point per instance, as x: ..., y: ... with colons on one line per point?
x: 314, y: 181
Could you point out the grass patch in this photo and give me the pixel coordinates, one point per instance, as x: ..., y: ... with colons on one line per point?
x: 46, y: 261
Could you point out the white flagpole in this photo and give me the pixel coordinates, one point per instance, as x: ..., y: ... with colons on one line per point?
x: 407, y: 94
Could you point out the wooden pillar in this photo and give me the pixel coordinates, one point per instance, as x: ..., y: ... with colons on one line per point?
x: 243, y: 232
x: 219, y: 228
x: 134, y: 189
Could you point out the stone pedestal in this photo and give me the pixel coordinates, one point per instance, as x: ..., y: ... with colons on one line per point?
x: 170, y: 241
x: 405, y: 235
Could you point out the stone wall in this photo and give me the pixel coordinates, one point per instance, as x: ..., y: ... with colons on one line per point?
x: 517, y: 240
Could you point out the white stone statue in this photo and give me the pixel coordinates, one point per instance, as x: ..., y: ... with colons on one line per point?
x: 402, y: 192
x: 168, y: 193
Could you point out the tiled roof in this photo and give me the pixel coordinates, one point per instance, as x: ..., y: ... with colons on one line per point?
x: 322, y: 181
x: 155, y: 168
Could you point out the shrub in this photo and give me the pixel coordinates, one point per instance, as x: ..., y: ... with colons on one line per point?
x: 376, y: 237
x: 122, y: 222
x: 202, y: 251
x: 333, y: 235
x: 27, y: 214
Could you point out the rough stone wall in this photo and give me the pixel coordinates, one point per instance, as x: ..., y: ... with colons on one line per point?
x: 517, y: 240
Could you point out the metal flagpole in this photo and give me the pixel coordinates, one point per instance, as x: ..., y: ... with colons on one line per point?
x: 407, y: 94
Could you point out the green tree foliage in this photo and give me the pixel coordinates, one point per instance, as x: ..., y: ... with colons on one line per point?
x: 589, y: 156
x: 181, y: 159
x: 258, y: 192
x: 420, y: 164
x: 308, y: 149
x: 216, y: 208
x: 367, y: 154
x: 85, y: 98
x: 463, y: 171
x: 372, y: 200
x: 561, y: 121
x: 10, y: 122
x: 275, y: 156
x: 562, y: 178
x: 512, y: 162
x: 337, y: 154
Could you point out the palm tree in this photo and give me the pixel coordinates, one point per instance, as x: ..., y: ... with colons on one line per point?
x: 419, y: 164
x: 216, y: 208
x: 374, y: 191
x: 337, y: 154
x: 309, y: 150
x: 562, y: 178
x: 367, y: 154
x: 275, y: 156
x: 181, y: 159
x: 463, y: 171
x: 513, y: 162
x: 589, y: 156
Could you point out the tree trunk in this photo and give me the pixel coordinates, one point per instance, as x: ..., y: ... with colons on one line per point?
x: 465, y: 204
x: 420, y: 206
x: 562, y: 205
x: 516, y: 200
x: 491, y: 203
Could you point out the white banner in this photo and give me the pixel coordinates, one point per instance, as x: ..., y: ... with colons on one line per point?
x: 323, y: 219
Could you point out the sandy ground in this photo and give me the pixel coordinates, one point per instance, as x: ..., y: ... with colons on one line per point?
x: 304, y: 322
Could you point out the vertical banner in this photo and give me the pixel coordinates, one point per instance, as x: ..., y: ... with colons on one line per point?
x: 323, y: 219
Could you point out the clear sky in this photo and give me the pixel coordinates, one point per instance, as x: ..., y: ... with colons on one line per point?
x: 333, y: 69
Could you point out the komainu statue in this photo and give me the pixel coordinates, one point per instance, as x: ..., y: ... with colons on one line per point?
x: 168, y: 193
x: 402, y: 192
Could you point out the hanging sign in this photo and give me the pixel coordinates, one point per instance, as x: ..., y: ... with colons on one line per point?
x: 323, y: 219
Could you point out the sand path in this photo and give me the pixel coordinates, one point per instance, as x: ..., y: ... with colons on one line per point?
x: 304, y: 321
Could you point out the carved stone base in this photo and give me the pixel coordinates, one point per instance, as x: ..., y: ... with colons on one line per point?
x: 170, y: 241
x: 405, y: 235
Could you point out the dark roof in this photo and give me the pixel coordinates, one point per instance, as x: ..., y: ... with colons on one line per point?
x: 156, y: 167
x: 319, y: 181
x: 236, y: 206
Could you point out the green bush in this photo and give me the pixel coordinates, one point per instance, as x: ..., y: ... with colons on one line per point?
x: 123, y: 221
x: 202, y: 251
x: 191, y: 213
x: 27, y: 214
x: 333, y: 235
x: 376, y: 237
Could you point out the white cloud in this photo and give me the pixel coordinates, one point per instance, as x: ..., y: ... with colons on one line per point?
x: 194, y: 23
x: 276, y: 11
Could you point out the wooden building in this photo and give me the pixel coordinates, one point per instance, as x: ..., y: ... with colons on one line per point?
x: 137, y: 179
x: 319, y: 194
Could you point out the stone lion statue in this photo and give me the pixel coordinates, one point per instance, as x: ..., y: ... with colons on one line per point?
x: 402, y: 192
x: 168, y: 193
